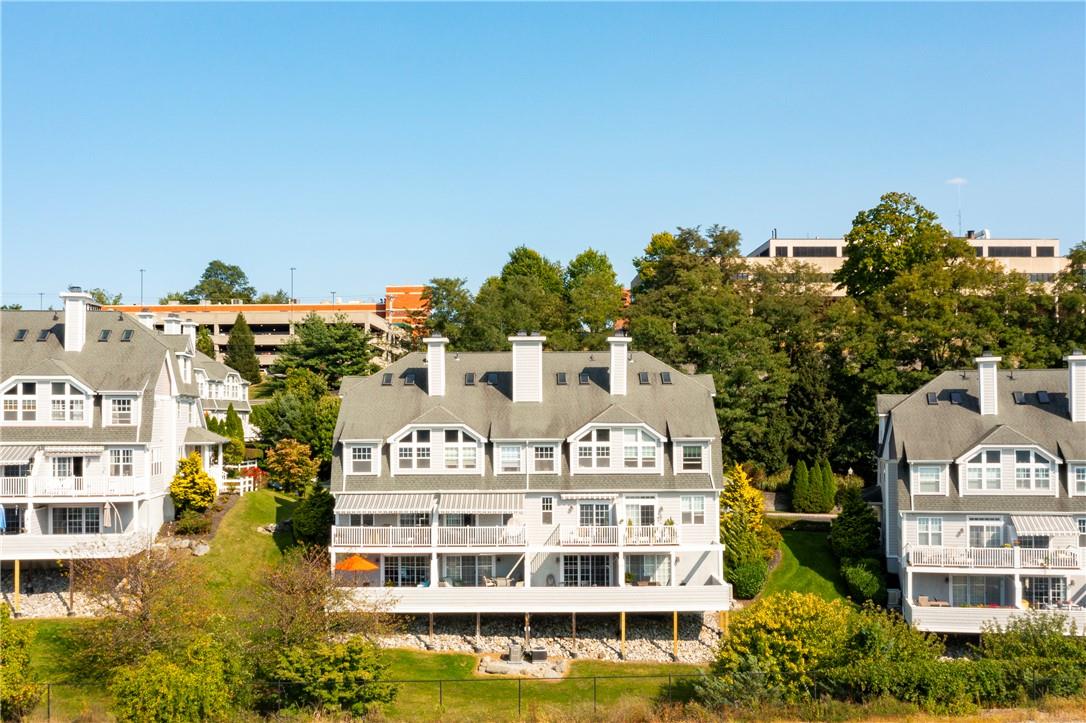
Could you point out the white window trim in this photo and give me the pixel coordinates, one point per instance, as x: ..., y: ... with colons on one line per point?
x: 929, y: 519
x: 375, y: 458
x: 1072, y: 470
x: 499, y: 458
x: 1009, y: 485
x: 43, y: 399
x: 914, y: 481
x: 616, y: 444
x: 677, y: 446
x: 107, y: 409
x: 693, y: 511
x: 557, y: 466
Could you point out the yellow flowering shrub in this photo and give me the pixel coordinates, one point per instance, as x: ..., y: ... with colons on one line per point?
x: 783, y: 639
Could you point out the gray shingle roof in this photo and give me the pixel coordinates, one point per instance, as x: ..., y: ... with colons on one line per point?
x: 111, y: 365
x: 683, y: 408
x: 945, y: 431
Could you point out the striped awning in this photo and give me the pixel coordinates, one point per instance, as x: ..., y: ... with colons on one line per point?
x: 74, y: 450
x: 378, y: 503
x: 590, y: 496
x: 1044, y: 525
x: 481, y: 502
x: 16, y: 455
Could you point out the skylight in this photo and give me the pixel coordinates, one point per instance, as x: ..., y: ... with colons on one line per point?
x: 1019, y: 397
x: 933, y: 398
x: 665, y: 377
x: 469, y: 379
x: 560, y: 377
x: 103, y: 335
x: 582, y: 378
x: 20, y: 335
x: 1043, y: 398
x: 643, y: 377
x: 491, y: 378
x: 409, y: 379
x: 126, y: 335
x: 43, y: 335
x: 386, y: 379
x: 955, y: 397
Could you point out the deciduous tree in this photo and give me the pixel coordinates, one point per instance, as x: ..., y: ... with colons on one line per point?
x: 192, y: 488
x: 290, y: 465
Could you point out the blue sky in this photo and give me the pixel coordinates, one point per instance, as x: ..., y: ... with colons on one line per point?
x: 377, y: 144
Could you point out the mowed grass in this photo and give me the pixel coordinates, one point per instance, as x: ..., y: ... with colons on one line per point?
x: 807, y: 565
x: 466, y: 696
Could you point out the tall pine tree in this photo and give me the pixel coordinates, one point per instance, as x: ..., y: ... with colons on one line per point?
x: 241, y: 351
x: 204, y: 343
x: 234, y: 427
x: 829, y: 486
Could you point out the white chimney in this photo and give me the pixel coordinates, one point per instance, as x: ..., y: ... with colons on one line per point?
x: 620, y: 353
x: 188, y: 328
x: 146, y: 318
x: 172, y: 325
x: 1076, y: 394
x: 986, y: 373
x: 527, y: 367
x: 75, y: 317
x: 435, y: 365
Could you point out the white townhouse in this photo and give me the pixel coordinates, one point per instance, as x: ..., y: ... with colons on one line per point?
x: 983, y: 476
x: 530, y: 481
x: 97, y: 411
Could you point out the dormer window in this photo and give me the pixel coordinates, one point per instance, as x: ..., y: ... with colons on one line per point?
x: 362, y: 459
x: 928, y: 479
x: 1032, y: 471
x: 984, y: 471
x: 120, y: 412
x: 510, y: 458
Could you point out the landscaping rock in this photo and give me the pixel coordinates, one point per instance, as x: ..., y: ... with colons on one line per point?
x: 200, y: 549
x: 179, y: 543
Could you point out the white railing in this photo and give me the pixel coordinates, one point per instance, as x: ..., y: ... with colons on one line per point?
x: 381, y: 536
x: 12, y: 486
x: 83, y: 486
x: 409, y: 600
x: 54, y: 547
x: 652, y: 535
x: 973, y: 620
x: 1071, y: 558
x: 478, y: 537
x: 580, y: 535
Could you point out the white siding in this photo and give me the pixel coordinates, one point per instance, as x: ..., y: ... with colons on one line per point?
x: 527, y: 371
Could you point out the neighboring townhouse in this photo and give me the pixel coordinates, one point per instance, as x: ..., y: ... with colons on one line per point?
x: 221, y: 387
x: 97, y: 411
x: 530, y: 481
x: 983, y: 476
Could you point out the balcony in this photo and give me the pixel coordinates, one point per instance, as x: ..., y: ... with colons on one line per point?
x: 83, y: 486
x: 617, y: 535
x: 381, y: 536
x: 63, y: 547
x: 973, y: 619
x: 478, y: 537
x: 13, y: 486
x: 1010, y: 558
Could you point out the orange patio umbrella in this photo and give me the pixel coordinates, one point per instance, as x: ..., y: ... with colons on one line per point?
x: 356, y: 564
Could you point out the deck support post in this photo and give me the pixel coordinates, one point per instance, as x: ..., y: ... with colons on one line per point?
x: 431, y: 616
x: 723, y: 623
x: 527, y: 630
x: 15, y: 598
x: 71, y: 588
x: 675, y: 635
x: 574, y: 635
x: 622, y: 632
x: 477, y: 630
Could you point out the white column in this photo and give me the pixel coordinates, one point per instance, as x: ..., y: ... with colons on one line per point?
x: 1017, y: 590
x: 674, y: 571
x: 528, y: 557
x: 433, y: 569
x: 909, y: 585
x: 621, y: 569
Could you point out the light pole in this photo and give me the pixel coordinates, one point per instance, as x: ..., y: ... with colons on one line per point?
x: 141, y: 286
x: 333, y: 301
x: 292, y: 269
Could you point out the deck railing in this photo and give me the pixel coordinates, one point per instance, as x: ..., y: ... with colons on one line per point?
x: 589, y: 535
x: 652, y: 535
x: 12, y: 486
x: 478, y: 537
x: 381, y: 536
x: 83, y: 486
x: 1070, y: 558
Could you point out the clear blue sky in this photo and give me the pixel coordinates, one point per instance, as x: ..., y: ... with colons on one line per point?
x: 373, y: 144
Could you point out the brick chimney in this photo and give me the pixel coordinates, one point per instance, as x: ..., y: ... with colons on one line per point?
x: 527, y: 367
x: 75, y: 317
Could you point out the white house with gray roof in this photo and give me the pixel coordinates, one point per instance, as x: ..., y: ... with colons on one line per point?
x: 983, y: 476
x: 97, y: 411
x: 530, y: 481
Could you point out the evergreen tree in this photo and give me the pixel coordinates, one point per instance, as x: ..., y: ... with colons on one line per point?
x: 204, y: 344
x: 801, y: 487
x: 233, y: 425
x: 331, y: 350
x: 855, y: 532
x: 212, y: 424
x: 829, y: 486
x: 241, y: 351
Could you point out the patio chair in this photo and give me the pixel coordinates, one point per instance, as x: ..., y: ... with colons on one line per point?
x: 488, y: 582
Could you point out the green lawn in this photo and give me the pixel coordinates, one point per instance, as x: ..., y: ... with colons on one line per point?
x: 471, y: 697
x: 807, y: 565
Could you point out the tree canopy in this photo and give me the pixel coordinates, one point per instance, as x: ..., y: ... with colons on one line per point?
x: 331, y: 350
x: 241, y: 351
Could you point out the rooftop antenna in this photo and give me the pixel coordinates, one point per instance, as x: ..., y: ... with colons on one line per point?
x: 959, y: 182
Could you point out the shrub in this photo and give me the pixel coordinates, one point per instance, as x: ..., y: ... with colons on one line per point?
x: 801, y: 487
x: 18, y: 695
x: 785, y: 638
x: 855, y: 532
x: 1035, y: 633
x: 742, y: 524
x: 314, y: 517
x: 233, y: 451
x: 334, y: 676
x: 198, y: 687
x: 290, y: 466
x: 755, y: 473
x: 192, y: 523
x: 938, y: 686
x: 192, y: 488
x: 777, y: 480
x: 747, y: 579
x: 864, y: 580
x: 827, y: 487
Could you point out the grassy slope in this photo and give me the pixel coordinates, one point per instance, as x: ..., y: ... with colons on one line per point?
x: 494, y: 698
x: 807, y: 565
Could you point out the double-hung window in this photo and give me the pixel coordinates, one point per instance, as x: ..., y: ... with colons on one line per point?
x: 543, y: 458
x: 693, y: 510
x: 984, y: 471
x: 510, y: 458
x: 1078, y: 479
x: 361, y: 460
x: 547, y: 507
x: 120, y: 411
x: 414, y: 450
x: 692, y: 460
x: 120, y: 463
x: 928, y: 478
x: 929, y: 531
x: 595, y: 514
x: 461, y: 450
x: 1031, y: 471
x: 638, y: 449
x: 594, y: 449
